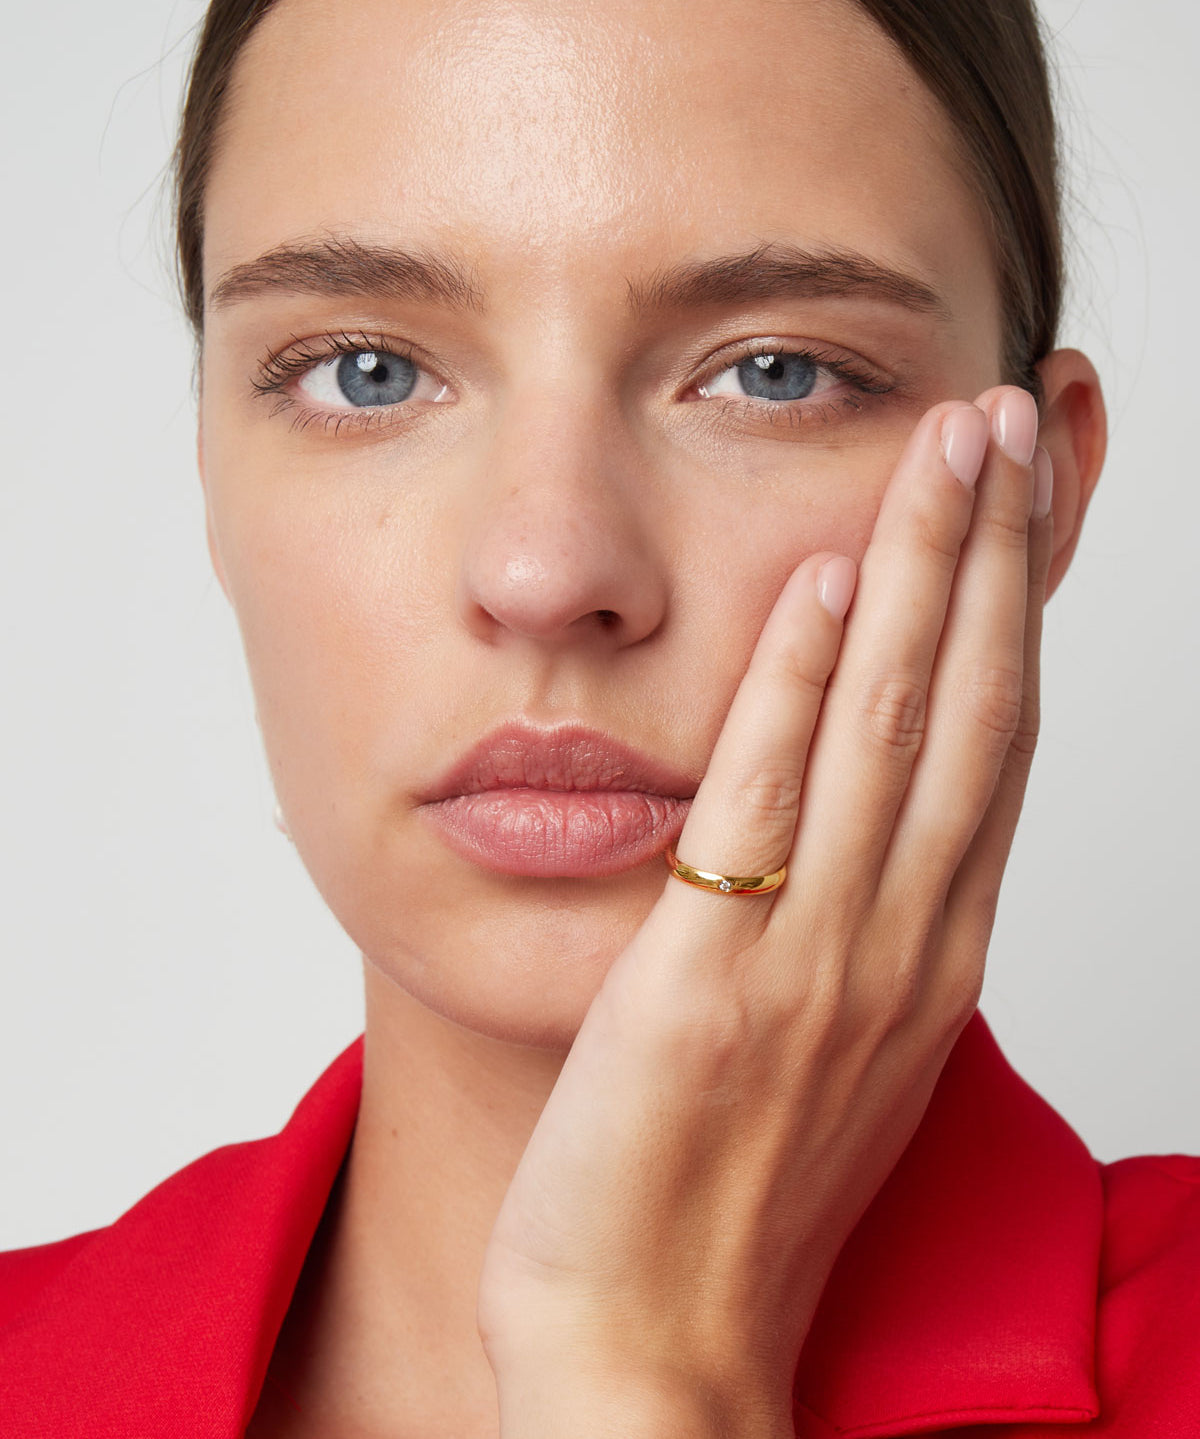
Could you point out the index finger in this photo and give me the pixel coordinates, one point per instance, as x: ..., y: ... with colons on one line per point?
x: 743, y: 818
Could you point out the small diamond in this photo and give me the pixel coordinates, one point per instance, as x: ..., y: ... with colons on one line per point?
x: 725, y: 886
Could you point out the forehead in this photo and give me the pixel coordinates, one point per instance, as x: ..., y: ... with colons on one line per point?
x: 553, y: 143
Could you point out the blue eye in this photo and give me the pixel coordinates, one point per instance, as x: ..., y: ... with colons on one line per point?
x: 357, y: 379
x: 779, y: 376
x: 370, y: 378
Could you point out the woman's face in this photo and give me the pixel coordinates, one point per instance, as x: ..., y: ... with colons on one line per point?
x: 486, y: 441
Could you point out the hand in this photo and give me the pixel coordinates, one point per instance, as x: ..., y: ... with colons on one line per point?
x: 753, y: 1067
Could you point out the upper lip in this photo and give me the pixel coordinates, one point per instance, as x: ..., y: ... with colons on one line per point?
x: 519, y: 755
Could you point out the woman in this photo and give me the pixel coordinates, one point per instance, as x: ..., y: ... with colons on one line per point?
x: 599, y: 474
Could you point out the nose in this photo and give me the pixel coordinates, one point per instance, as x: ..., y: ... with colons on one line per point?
x: 558, y: 543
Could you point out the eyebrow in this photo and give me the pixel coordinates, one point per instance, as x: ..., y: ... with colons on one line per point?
x: 347, y: 267
x: 782, y: 271
x: 344, y: 266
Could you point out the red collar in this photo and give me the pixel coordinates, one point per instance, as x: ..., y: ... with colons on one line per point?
x: 967, y: 1294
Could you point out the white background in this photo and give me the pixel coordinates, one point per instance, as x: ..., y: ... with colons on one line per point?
x: 169, y: 980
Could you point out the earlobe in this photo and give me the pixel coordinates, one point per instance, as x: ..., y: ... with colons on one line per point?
x: 1074, y: 429
x: 214, y: 552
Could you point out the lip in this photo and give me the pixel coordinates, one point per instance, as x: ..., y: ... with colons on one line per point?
x: 568, y: 802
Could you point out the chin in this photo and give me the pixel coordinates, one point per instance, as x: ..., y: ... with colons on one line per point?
x: 516, y: 960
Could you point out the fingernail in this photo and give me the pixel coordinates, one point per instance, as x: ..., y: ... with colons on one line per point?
x: 835, y: 585
x: 1043, y: 483
x: 1015, y: 422
x: 964, y: 443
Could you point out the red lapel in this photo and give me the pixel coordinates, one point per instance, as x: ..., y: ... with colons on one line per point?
x: 162, y: 1324
x: 966, y: 1295
x: 968, y: 1292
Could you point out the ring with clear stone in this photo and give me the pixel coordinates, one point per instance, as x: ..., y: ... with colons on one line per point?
x: 724, y: 883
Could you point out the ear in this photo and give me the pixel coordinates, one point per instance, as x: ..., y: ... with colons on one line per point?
x: 1074, y: 429
x: 214, y: 552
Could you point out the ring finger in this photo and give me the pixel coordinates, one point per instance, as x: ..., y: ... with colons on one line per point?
x: 873, y: 722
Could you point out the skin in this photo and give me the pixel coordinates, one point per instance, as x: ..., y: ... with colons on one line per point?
x: 572, y: 532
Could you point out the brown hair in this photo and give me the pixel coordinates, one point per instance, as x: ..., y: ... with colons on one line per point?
x: 982, y: 59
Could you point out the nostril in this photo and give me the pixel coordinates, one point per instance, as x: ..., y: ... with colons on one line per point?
x: 608, y: 618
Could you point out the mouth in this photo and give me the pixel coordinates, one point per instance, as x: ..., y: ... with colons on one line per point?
x: 562, y: 803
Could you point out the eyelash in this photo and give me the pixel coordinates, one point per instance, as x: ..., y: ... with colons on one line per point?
x: 866, y: 383
x: 278, y: 368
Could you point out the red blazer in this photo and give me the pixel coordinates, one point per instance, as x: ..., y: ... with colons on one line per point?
x: 1001, y: 1284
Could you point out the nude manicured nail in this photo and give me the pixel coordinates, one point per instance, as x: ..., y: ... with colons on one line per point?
x: 964, y: 443
x: 835, y: 585
x: 1015, y: 422
x: 1043, y: 483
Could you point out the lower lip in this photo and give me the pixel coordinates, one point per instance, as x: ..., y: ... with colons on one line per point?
x: 559, y: 834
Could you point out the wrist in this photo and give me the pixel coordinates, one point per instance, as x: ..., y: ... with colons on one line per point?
x: 579, y: 1396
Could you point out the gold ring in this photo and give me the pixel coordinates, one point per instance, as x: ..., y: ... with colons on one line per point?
x: 724, y: 883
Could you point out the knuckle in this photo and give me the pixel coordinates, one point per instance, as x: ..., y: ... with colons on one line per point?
x: 772, y: 794
x: 826, y: 989
x: 721, y: 1016
x: 962, y: 990
x: 901, y: 991
x: 1025, y: 735
x: 975, y: 919
x: 994, y: 700
x: 800, y: 672
x: 1006, y: 527
x: 720, y: 1027
x: 895, y: 710
x: 931, y: 534
x: 966, y: 996
x: 1017, y: 764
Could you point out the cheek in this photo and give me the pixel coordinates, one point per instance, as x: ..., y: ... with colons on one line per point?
x: 333, y: 588
x: 735, y: 554
x: 763, y: 505
x: 788, y: 508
